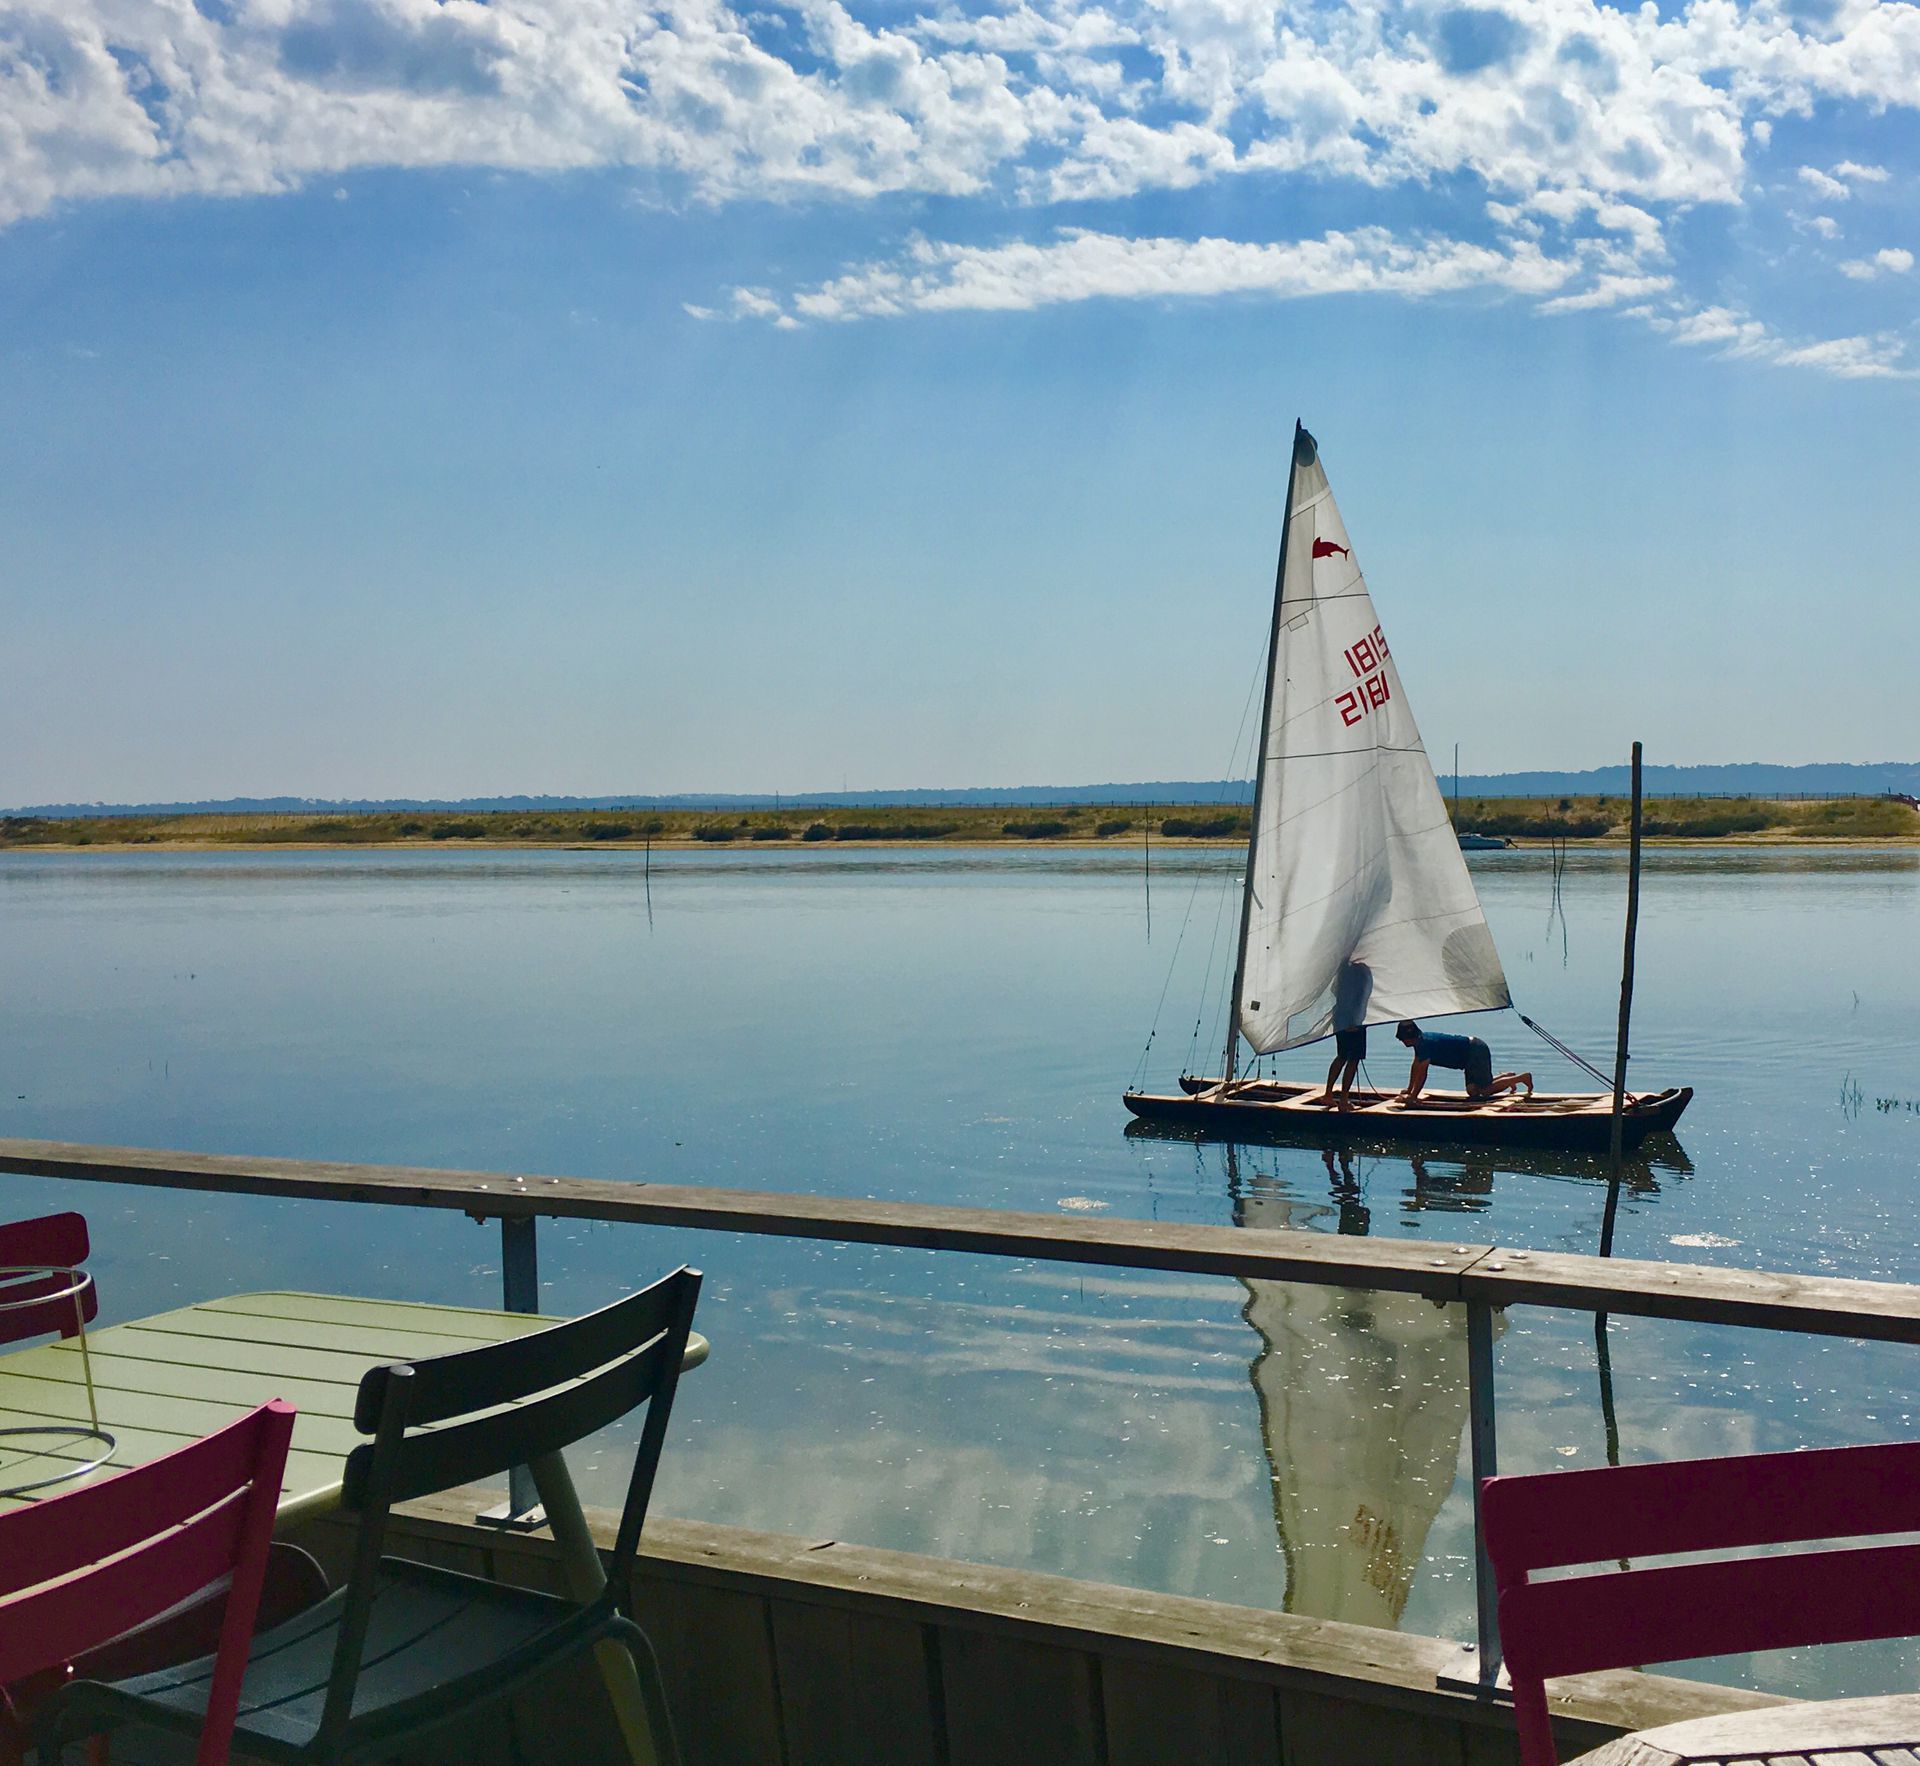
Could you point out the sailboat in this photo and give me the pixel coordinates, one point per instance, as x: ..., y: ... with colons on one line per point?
x: 1358, y: 908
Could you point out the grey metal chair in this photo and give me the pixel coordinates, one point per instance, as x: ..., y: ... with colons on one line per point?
x: 404, y: 1647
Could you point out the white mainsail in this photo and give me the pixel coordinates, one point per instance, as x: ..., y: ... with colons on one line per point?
x: 1359, y: 907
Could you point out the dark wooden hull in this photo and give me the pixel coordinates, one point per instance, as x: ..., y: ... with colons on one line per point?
x: 1278, y: 1110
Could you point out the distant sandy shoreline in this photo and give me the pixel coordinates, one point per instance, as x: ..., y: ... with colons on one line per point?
x: 1120, y: 843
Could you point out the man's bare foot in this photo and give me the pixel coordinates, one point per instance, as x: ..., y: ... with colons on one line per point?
x: 1526, y: 1079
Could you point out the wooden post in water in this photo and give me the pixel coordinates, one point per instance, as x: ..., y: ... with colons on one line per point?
x: 1626, y: 1014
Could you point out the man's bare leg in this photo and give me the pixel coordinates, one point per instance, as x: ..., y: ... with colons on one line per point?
x: 1503, y: 1083
x: 1346, y: 1085
x: 1333, y: 1079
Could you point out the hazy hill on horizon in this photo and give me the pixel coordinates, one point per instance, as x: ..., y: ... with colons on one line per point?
x: 1744, y: 778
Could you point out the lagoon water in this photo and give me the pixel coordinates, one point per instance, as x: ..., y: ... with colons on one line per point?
x: 956, y: 1025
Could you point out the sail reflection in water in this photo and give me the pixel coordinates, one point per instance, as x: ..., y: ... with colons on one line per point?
x: 1363, y: 1406
x: 1363, y: 1395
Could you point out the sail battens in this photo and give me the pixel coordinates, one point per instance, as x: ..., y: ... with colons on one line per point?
x: 1359, y: 907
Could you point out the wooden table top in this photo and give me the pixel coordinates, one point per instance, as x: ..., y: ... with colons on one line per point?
x: 164, y: 1381
x: 1820, y: 1732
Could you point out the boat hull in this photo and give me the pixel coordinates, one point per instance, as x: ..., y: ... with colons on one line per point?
x: 1277, y: 1110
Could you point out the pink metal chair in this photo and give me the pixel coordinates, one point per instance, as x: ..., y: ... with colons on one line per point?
x: 43, y: 1292
x: 81, y: 1568
x: 35, y: 1256
x: 1617, y: 1618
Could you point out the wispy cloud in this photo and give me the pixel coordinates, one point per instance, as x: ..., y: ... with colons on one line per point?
x: 1730, y: 332
x: 1077, y: 264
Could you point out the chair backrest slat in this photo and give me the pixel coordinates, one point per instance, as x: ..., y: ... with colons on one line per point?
x: 1612, y: 1512
x: 1675, y: 1612
x: 1731, y: 1607
x: 115, y: 1514
x: 80, y: 1568
x: 57, y: 1621
x: 54, y: 1241
x: 497, y: 1373
x: 460, y: 1453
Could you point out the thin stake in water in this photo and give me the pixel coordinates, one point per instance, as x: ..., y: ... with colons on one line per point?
x: 1626, y: 1014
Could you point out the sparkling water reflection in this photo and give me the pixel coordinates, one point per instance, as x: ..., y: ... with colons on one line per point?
x: 956, y: 1026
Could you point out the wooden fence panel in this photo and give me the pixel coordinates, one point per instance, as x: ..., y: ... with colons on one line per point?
x: 1162, y: 1716
x: 854, y: 1690
x: 716, y: 1655
x: 1320, y: 1731
x: 1014, y: 1703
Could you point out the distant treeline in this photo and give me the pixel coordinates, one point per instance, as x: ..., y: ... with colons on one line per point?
x: 1750, y: 779
x: 1527, y: 818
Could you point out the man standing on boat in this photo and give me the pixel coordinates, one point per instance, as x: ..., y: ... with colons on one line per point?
x: 1434, y: 1048
x: 1352, y: 990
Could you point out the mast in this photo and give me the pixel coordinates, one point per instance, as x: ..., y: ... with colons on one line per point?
x: 1230, y: 1061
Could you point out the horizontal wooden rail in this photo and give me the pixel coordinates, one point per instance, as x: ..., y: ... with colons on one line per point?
x: 1764, y: 1299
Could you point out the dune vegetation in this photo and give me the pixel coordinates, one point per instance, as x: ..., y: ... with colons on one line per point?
x: 1523, y: 819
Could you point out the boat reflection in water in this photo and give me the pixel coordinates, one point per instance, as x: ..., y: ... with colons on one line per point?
x: 1363, y: 1395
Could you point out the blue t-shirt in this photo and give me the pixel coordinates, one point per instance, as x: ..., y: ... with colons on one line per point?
x: 1438, y: 1049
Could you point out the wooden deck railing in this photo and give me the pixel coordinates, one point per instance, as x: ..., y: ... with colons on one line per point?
x: 1479, y: 1276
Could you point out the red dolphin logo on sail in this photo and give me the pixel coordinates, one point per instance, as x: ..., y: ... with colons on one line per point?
x: 1327, y: 548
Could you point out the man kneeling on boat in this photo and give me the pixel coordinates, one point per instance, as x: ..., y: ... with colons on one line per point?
x: 1433, y: 1048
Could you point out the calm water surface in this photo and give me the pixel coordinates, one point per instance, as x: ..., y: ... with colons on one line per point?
x: 956, y: 1026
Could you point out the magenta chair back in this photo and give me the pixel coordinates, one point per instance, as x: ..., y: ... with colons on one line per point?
x: 168, y: 1530
x: 1618, y: 1618
x: 37, y: 1304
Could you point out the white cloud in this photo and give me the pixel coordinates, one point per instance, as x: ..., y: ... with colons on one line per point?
x: 1078, y: 264
x: 1839, y: 183
x: 1581, y: 128
x: 1894, y: 261
x: 1049, y: 99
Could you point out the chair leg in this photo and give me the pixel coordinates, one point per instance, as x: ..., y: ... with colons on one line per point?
x: 653, y: 1689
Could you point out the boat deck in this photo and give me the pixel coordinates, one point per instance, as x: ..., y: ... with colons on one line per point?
x: 1580, y: 1121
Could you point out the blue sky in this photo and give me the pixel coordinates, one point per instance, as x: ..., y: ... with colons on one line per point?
x: 594, y: 395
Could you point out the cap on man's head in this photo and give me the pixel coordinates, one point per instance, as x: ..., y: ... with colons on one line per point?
x: 1406, y: 1031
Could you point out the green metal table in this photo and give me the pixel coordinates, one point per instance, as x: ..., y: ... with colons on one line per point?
x: 164, y: 1381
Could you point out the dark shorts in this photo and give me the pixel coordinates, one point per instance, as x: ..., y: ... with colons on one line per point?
x: 1479, y: 1064
x: 1350, y: 1045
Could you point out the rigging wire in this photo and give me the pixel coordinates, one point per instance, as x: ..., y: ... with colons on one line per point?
x: 1153, y: 1030
x: 1553, y: 1042
x: 1206, y: 978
